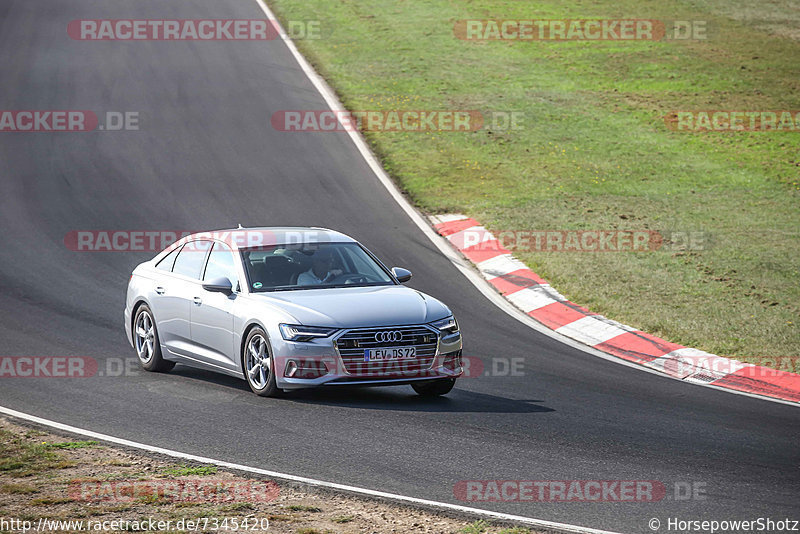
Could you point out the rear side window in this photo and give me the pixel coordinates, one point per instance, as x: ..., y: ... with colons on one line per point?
x: 191, y: 259
x: 168, y: 261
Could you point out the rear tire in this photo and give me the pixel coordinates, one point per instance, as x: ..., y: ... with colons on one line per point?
x: 434, y: 388
x: 257, y: 364
x: 146, y: 342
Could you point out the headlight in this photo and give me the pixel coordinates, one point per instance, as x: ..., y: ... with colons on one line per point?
x: 296, y: 332
x: 448, y: 325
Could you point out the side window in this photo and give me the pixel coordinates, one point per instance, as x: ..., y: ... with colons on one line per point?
x: 191, y: 259
x: 168, y: 261
x: 220, y: 264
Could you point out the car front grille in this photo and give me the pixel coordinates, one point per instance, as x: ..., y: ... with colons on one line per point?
x: 352, y: 343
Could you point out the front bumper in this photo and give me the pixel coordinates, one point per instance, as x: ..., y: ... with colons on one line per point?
x: 306, y: 365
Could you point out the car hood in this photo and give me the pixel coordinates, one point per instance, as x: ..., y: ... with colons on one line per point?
x: 358, y: 306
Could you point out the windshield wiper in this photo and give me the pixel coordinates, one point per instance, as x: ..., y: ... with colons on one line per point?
x: 327, y: 286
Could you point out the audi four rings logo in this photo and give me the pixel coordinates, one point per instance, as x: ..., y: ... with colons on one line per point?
x: 388, y: 336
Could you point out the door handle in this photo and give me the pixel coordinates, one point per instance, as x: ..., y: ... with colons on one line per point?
x: 198, y: 301
x: 160, y: 290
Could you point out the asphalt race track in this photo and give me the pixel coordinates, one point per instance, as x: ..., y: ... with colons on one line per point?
x: 206, y: 157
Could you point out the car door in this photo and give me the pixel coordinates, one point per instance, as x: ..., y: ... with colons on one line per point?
x: 212, y: 313
x: 172, y: 297
x: 163, y: 303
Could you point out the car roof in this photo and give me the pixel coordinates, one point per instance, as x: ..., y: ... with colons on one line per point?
x: 240, y: 238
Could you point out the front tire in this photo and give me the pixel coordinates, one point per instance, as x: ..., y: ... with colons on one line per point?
x: 434, y: 388
x: 146, y: 342
x: 257, y: 364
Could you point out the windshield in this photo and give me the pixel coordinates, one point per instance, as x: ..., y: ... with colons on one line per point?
x: 309, y: 266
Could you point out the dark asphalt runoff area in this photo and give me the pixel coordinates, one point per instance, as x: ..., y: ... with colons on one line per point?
x: 206, y: 157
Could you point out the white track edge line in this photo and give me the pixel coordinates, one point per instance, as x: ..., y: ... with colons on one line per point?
x: 443, y: 245
x: 540, y: 523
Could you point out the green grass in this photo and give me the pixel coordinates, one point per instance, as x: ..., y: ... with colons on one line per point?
x: 478, y: 527
x: 153, y: 499
x: 343, y: 519
x: 594, y: 151
x: 49, y: 501
x: 71, y: 445
x: 191, y: 470
x: 20, y: 458
x: 18, y: 489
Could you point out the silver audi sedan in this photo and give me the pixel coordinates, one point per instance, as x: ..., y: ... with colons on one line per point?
x: 289, y: 308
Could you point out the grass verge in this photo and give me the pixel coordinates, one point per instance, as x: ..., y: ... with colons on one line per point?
x: 594, y: 153
x: 39, y: 472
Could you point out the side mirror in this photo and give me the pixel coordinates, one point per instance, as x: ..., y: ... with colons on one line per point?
x: 402, y: 275
x: 219, y: 285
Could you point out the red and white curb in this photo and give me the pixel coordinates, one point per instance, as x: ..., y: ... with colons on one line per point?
x: 535, y: 297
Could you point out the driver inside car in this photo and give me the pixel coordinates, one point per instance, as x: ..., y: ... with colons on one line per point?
x: 320, y: 271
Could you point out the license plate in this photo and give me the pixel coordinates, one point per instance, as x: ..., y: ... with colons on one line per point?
x: 390, y: 353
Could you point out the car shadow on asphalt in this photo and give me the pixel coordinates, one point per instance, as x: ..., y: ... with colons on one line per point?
x: 403, y: 398
x: 393, y: 398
